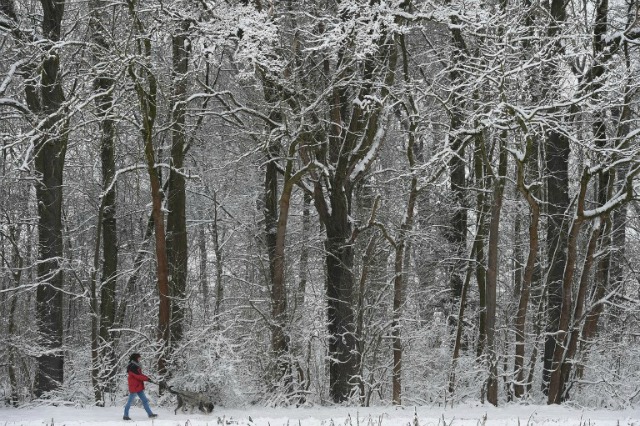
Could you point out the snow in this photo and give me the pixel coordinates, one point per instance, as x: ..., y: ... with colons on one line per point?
x: 460, y: 415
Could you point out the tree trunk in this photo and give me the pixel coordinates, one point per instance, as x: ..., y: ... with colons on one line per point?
x: 527, y: 279
x: 459, y: 326
x: 557, y: 163
x: 492, y: 273
x: 217, y: 250
x: 17, y: 263
x: 94, y: 308
x: 518, y: 260
x: 304, y: 253
x: 481, y: 234
x: 618, y: 238
x: 457, y: 233
x: 204, y: 278
x: 340, y: 282
x: 555, y: 391
x: 49, y: 163
x: 275, y: 234
x: 147, y: 96
x: 605, y: 178
x: 557, y: 182
x: 367, y: 260
x: 47, y: 100
x: 402, y: 242
x: 177, y: 250
x: 572, y: 338
x: 162, y: 267
x: 103, y: 85
x: 343, y: 364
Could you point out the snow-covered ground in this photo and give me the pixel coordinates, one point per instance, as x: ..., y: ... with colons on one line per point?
x: 469, y: 415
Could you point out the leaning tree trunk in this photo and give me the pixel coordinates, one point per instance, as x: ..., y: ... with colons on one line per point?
x: 146, y: 87
x: 557, y: 383
x: 572, y: 337
x: 618, y: 238
x: 556, y: 387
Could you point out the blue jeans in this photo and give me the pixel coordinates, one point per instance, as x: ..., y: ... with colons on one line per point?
x: 143, y: 398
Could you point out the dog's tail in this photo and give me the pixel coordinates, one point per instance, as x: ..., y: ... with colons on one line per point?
x: 170, y: 389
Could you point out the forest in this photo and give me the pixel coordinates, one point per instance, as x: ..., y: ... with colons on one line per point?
x: 290, y: 203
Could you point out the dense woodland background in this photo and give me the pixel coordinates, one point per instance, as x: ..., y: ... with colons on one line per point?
x: 302, y: 202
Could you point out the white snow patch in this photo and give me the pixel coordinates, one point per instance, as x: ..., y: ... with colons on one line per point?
x: 464, y: 415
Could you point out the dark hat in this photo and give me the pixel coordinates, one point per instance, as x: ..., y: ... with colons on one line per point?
x: 134, y: 357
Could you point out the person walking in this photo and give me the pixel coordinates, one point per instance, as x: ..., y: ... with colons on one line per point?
x: 136, y: 380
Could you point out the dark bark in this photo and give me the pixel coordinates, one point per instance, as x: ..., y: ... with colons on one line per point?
x: 177, y: 247
x: 278, y: 340
x: 457, y: 232
x: 217, y: 250
x: 348, y: 128
x: 49, y: 164
x: 162, y: 266
x: 304, y: 253
x: 481, y: 235
x: 557, y: 180
x: 342, y: 340
x: 556, y: 159
x: 46, y: 99
x: 339, y: 258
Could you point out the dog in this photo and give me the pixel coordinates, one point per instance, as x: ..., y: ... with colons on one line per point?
x: 192, y: 399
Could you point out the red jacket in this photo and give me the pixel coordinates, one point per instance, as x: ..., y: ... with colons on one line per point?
x: 135, y: 378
